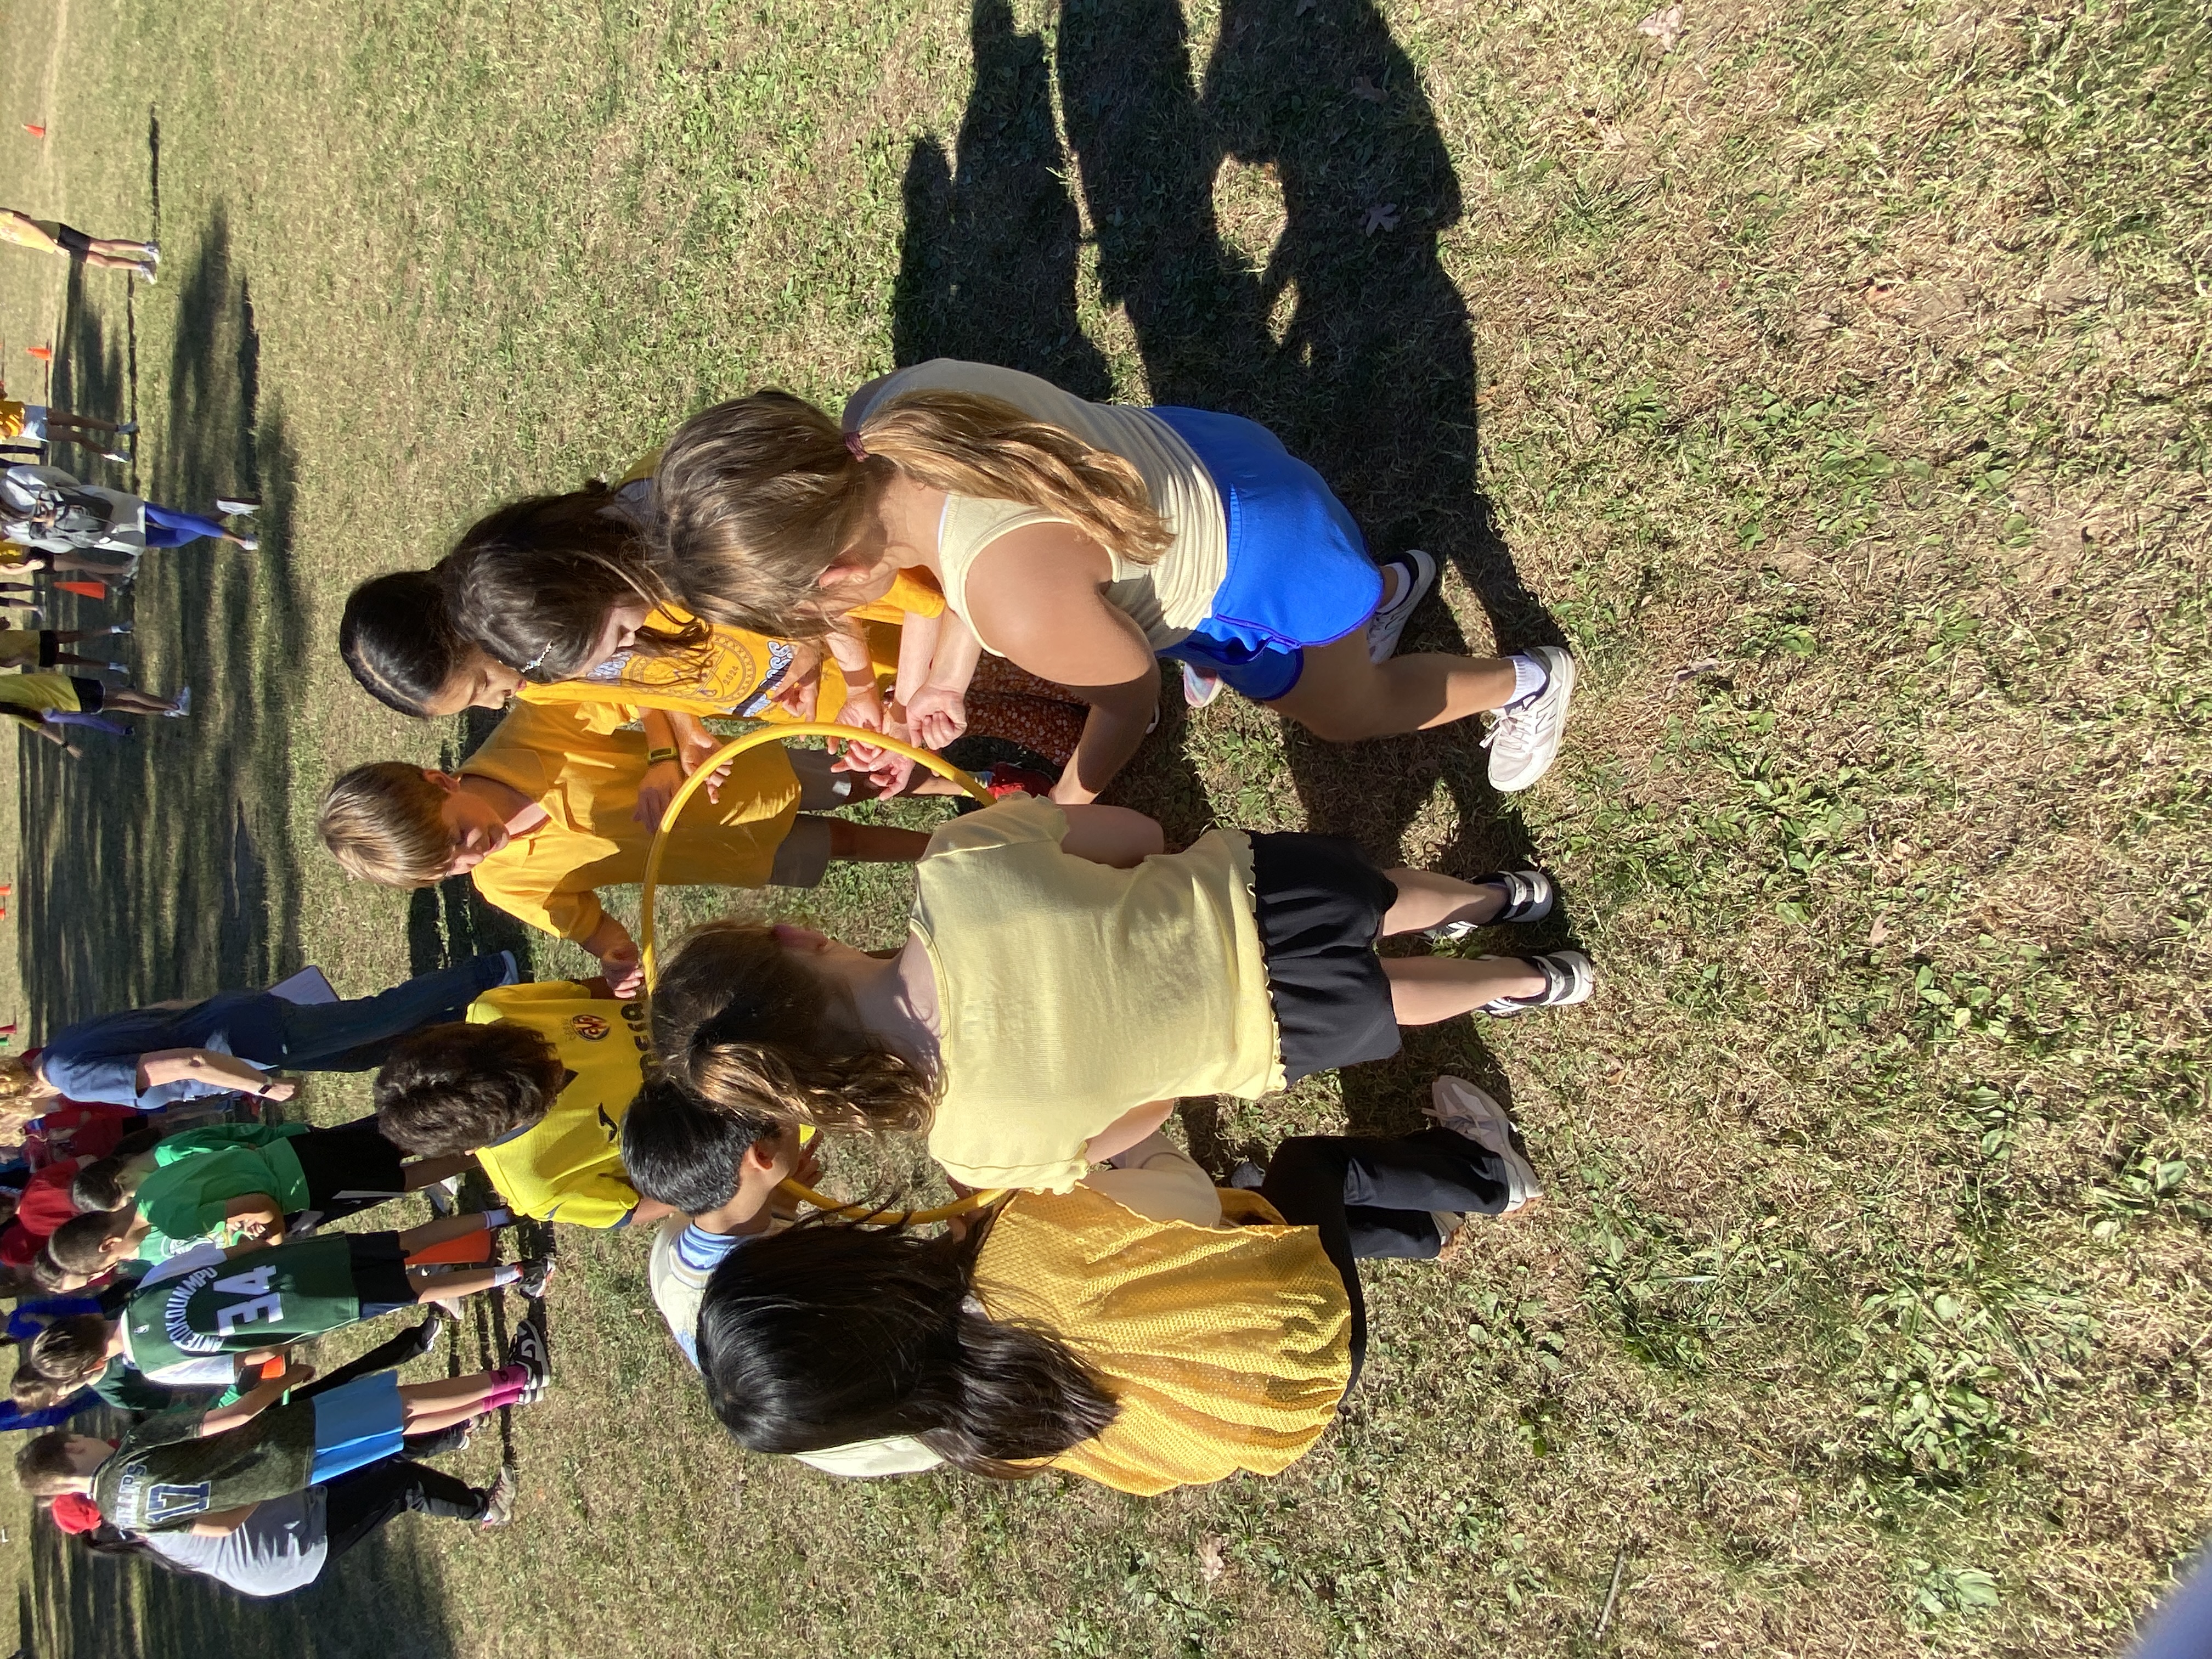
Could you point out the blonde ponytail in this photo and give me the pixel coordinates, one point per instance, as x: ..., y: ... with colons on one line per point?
x: 758, y: 496
x: 751, y: 1030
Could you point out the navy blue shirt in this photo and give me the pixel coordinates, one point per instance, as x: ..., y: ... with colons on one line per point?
x: 97, y: 1059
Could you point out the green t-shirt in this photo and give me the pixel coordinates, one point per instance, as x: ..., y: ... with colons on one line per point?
x: 124, y: 1389
x: 161, y: 1477
x: 197, y: 1174
x: 260, y: 1299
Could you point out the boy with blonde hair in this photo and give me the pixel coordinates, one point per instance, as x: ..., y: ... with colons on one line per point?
x: 547, y: 811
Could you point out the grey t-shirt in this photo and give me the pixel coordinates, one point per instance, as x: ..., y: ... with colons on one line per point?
x: 279, y: 1547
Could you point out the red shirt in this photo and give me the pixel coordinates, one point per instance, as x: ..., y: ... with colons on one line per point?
x: 46, y: 1202
x: 79, y: 1128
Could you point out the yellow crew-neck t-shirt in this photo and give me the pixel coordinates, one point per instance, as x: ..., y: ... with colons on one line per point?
x: 587, y: 782
x: 568, y: 1165
x: 1070, y: 994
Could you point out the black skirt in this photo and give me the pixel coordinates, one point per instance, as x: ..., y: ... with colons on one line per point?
x: 1320, y: 903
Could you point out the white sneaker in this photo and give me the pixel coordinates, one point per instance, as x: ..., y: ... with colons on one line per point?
x: 1418, y: 574
x: 1198, y: 687
x: 1525, y: 739
x: 252, y: 545
x: 182, y: 705
x: 1529, y: 897
x: 1458, y: 1105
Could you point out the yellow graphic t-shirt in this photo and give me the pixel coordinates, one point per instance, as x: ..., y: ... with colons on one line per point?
x: 568, y: 1165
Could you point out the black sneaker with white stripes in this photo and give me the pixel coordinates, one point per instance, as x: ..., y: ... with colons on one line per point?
x: 1568, y: 978
x: 1529, y: 897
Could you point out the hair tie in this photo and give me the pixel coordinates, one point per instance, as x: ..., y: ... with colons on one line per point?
x: 859, y: 451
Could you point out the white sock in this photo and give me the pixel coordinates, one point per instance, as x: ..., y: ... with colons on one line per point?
x: 505, y: 1274
x: 1528, y: 677
x: 495, y: 1218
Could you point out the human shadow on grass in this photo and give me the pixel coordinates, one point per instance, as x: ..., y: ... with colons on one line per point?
x: 161, y: 866
x: 1350, y: 342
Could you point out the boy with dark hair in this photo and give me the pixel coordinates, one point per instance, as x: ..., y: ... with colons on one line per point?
x: 240, y: 1182
x: 722, y: 1171
x: 536, y: 1084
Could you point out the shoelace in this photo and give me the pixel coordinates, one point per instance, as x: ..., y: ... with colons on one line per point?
x: 1519, y: 718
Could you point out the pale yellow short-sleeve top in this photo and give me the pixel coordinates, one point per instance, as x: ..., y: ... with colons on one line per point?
x: 1166, y: 598
x: 1071, y: 994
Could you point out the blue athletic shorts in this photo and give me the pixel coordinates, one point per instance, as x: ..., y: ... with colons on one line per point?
x: 357, y: 1425
x: 1299, y: 571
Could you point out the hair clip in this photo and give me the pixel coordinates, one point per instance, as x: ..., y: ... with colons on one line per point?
x: 531, y: 667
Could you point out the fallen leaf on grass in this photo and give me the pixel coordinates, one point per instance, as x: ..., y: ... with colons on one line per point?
x: 1690, y: 670
x: 1664, y: 26
x: 1877, y: 935
x: 1211, y: 1562
x: 1363, y: 88
x: 1384, y: 216
x: 1304, y: 6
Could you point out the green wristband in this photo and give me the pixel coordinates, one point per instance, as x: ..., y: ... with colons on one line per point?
x: 654, y: 757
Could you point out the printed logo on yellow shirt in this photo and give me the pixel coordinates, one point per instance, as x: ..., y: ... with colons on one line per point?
x: 590, y: 1027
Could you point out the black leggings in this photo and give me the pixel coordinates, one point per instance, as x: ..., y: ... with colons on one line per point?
x: 356, y: 1504
x: 1371, y: 1197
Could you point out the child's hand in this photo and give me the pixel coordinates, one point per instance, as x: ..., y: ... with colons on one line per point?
x: 276, y: 1089
x: 864, y: 708
x: 695, y: 742
x: 624, y: 969
x: 938, y: 714
x: 800, y: 695
x: 662, y: 780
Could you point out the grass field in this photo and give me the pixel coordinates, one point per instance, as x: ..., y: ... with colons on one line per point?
x: 1834, y: 378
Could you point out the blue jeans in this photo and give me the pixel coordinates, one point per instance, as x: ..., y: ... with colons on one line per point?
x: 356, y: 1036
x: 167, y: 527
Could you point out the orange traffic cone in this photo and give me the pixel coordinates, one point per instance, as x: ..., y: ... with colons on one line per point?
x: 44, y: 354
x: 89, y: 590
x: 34, y: 129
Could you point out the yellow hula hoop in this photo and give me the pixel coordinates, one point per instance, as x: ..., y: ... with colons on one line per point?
x: 692, y: 785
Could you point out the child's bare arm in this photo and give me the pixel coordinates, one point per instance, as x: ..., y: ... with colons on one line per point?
x: 1113, y: 835
x: 254, y: 1402
x: 257, y: 1217
x: 205, y: 1065
x: 918, y: 637
x: 848, y: 648
x: 937, y: 710
x: 220, y: 1523
x: 1127, y: 1130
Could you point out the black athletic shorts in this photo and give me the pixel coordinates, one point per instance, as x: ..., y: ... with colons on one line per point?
x: 1320, y: 903
x: 50, y: 648
x: 380, y: 1273
x: 91, y: 694
x: 350, y: 1161
x: 72, y: 239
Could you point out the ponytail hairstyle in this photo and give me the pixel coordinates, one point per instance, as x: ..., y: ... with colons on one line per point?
x: 758, y: 497
x: 833, y: 1333
x: 397, y: 641
x: 751, y: 1030
x: 532, y: 582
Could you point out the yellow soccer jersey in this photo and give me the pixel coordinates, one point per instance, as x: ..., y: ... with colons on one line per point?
x: 568, y: 1165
